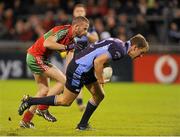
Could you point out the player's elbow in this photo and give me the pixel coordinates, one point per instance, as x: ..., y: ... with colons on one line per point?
x: 49, y: 41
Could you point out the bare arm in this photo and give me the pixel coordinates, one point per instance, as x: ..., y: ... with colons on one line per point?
x: 51, y: 43
x: 69, y: 57
x: 99, y: 65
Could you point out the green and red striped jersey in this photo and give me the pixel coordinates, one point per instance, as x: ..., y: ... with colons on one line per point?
x: 63, y: 36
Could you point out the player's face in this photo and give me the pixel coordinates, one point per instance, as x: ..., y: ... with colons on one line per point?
x: 79, y: 11
x: 82, y: 29
x: 135, y: 52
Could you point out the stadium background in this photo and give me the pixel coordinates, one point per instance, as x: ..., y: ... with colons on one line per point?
x: 22, y: 21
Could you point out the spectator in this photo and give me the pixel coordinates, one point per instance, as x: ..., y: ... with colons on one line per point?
x: 37, y: 25
x: 141, y: 25
x: 98, y: 23
x: 130, y: 8
x: 9, y: 19
x: 62, y: 18
x: 174, y: 33
x: 23, y: 31
x: 142, y: 5
x: 48, y: 21
x: 136, y: 16
x: 111, y: 26
x: 3, y: 32
x: 102, y: 7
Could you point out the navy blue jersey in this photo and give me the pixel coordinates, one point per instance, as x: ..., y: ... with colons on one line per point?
x: 80, y: 70
x: 82, y: 43
x: 114, y: 48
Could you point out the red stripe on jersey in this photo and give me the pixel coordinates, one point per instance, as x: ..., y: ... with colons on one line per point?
x: 41, y: 64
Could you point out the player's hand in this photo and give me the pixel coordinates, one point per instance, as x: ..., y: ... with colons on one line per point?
x: 69, y: 47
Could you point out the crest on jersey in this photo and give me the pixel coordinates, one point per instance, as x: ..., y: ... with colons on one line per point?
x: 60, y: 34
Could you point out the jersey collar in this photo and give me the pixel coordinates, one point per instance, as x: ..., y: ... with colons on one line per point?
x: 127, y: 46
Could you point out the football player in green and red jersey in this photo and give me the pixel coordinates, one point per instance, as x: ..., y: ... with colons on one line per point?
x: 59, y: 38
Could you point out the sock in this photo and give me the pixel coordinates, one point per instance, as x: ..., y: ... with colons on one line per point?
x: 90, y: 108
x: 28, y: 116
x: 49, y: 100
x: 43, y: 107
x: 79, y: 101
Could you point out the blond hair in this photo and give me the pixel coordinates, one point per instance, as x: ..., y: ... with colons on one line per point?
x: 140, y: 42
x: 79, y: 19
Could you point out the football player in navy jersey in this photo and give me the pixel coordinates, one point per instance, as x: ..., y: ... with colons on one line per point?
x: 86, y: 68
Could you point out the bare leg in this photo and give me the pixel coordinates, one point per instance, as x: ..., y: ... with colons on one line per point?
x: 60, y: 79
x: 97, y: 92
x: 43, y: 89
x: 57, y: 88
x: 66, y: 98
x: 42, y: 85
x: 79, y: 101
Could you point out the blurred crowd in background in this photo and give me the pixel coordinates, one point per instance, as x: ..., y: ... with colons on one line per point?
x: 157, y: 20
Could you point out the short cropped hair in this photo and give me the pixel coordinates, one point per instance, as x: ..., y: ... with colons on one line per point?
x: 80, y: 5
x: 139, y: 41
x: 79, y: 19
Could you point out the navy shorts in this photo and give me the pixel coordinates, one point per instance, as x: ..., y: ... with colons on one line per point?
x: 75, y: 80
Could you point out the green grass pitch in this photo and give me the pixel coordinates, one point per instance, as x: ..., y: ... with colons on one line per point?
x: 128, y: 109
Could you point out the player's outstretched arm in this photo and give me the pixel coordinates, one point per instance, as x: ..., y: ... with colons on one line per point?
x: 99, y: 65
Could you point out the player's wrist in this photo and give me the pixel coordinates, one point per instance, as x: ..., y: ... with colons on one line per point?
x: 69, y: 47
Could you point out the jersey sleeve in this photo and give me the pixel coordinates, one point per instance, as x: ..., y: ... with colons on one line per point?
x: 47, y: 34
x: 60, y: 34
x: 115, y: 52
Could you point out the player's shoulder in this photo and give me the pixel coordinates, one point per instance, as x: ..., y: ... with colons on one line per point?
x: 115, y: 41
x: 62, y: 27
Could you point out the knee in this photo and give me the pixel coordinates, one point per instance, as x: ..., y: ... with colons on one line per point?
x: 98, y: 98
x: 43, y: 91
x: 67, y: 104
x: 60, y: 85
x: 61, y: 81
x: 63, y: 102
